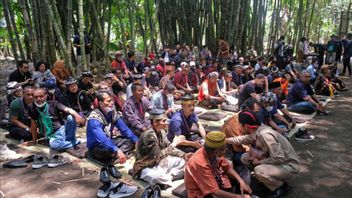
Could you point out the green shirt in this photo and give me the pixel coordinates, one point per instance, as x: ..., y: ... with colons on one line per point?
x: 19, y: 109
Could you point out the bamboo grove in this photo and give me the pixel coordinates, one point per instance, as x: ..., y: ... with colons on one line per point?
x: 44, y: 29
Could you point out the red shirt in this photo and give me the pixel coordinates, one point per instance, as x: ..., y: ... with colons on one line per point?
x: 119, y: 65
x: 180, y: 79
x: 160, y: 69
x: 199, y: 178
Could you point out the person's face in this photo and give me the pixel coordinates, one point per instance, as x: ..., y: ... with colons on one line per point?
x: 215, y: 64
x: 24, y: 68
x: 238, y: 70
x: 18, y: 93
x: 188, y: 108
x: 260, y: 82
x: 305, y: 78
x: 39, y: 96
x: 72, y: 88
x: 107, y: 101
x: 159, y: 125
x: 228, y: 78
x: 138, y: 93
x: 28, y: 96
x: 185, y: 69
x: 203, y: 62
x: 139, y: 81
x: 241, y: 60
x: 220, y: 152
x: 42, y: 68
x: 213, y: 79
x: 103, y: 88
x: 109, y: 81
x: 86, y: 80
x: 249, y: 129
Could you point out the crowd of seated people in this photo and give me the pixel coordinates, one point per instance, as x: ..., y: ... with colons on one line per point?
x: 133, y: 108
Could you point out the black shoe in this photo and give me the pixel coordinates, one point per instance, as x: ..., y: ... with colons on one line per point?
x: 280, y: 191
x: 104, y: 175
x: 114, y: 172
x: 323, y: 113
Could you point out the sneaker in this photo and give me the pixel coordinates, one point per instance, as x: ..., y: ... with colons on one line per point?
x: 56, y: 160
x: 123, y: 190
x: 105, y: 189
x: 6, y: 154
x: 104, y: 176
x: 40, y: 161
x: 303, y: 136
x: 114, y: 172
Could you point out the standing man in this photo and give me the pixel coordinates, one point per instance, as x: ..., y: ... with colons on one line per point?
x: 347, y: 55
x: 87, y: 48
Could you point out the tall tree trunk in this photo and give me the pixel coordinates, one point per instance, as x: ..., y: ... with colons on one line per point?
x: 9, y: 28
x: 83, y: 60
x: 68, y: 61
x: 107, y: 59
x: 18, y: 41
x: 131, y: 16
x: 311, y: 18
x: 31, y: 36
x: 55, y: 23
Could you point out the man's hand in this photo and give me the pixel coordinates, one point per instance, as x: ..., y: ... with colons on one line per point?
x: 28, y: 143
x: 255, y: 161
x: 281, y: 130
x: 121, y: 157
x: 188, y: 156
x: 244, y: 187
x: 197, y: 145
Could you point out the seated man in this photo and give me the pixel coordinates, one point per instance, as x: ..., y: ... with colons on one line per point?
x: 100, y: 125
x: 21, y: 75
x: 20, y: 121
x: 137, y: 78
x: 157, y: 160
x: 181, y: 78
x: 164, y: 99
x: 46, y: 116
x: 14, y: 91
x: 323, y: 85
x: 286, y: 119
x: 209, y: 174
x: 274, y: 158
x: 237, y: 75
x: 135, y: 108
x: 252, y: 89
x: 210, y: 94
x: 181, y: 123
x: 85, y: 82
x: 301, y: 97
x: 70, y: 97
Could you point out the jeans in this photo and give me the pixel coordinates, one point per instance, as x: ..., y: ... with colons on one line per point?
x: 302, y: 107
x: 65, y: 137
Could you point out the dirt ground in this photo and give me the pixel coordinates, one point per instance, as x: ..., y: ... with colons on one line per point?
x: 326, y: 166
